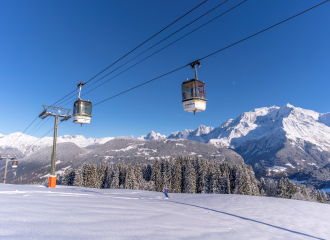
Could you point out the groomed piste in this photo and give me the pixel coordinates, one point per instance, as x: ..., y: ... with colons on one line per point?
x: 38, y: 212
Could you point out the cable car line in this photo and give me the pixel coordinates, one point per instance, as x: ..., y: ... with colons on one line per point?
x: 148, y: 40
x: 153, y: 53
x: 265, y: 29
x: 165, y: 39
x: 35, y: 126
x: 142, y: 84
x: 209, y: 55
x: 40, y: 126
x: 136, y: 48
x: 42, y: 137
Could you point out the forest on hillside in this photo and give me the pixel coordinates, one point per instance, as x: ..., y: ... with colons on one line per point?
x: 187, y: 175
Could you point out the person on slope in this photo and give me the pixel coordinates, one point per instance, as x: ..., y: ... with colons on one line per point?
x: 165, y: 191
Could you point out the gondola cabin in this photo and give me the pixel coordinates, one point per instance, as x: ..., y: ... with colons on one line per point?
x: 193, y: 96
x: 82, y: 112
x: 14, y: 164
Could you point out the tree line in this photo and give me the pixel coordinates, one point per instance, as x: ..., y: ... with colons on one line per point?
x: 186, y: 175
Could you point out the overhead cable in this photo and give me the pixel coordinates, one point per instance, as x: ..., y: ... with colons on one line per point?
x: 154, y: 52
x: 137, y: 47
x: 209, y: 55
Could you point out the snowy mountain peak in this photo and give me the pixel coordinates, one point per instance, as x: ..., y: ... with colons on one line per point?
x: 268, y: 128
x: 152, y: 136
x: 203, y: 130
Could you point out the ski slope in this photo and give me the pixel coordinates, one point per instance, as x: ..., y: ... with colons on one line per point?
x: 37, y: 212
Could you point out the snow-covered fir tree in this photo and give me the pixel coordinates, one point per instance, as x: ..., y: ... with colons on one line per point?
x: 115, y: 179
x: 138, y: 175
x: 177, y: 177
x: 190, y: 178
x: 186, y: 175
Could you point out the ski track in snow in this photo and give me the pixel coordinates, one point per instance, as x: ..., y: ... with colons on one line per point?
x: 37, y: 212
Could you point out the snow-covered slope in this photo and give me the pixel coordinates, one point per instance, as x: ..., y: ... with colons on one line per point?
x: 152, y: 136
x: 37, y: 212
x: 24, y: 143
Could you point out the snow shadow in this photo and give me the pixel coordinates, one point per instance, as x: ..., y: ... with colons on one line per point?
x: 249, y: 219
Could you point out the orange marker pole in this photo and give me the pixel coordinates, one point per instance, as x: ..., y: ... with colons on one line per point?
x: 52, y: 182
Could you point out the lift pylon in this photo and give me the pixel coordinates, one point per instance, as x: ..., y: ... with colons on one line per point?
x: 56, y: 112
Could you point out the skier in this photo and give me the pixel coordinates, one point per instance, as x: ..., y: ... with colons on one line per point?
x: 165, y: 191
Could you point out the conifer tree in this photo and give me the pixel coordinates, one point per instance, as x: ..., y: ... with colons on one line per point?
x: 92, y: 176
x: 115, y: 179
x: 303, y: 191
x: 313, y: 194
x: 176, y: 182
x: 87, y: 175
x: 171, y: 174
x: 183, y: 162
x: 216, y: 186
x: 167, y: 175
x: 68, y: 178
x: 246, y: 184
x: 146, y: 172
x: 232, y: 178
x: 281, y: 191
x: 271, y: 188
x: 292, y: 188
x: 202, y: 177
x: 262, y: 185
x: 190, y: 178
x: 324, y: 197
x: 79, y: 181
x: 210, y: 176
x: 84, y: 170
x: 100, y: 176
x: 224, y: 185
x: 157, y: 176
x: 319, y: 197
x: 108, y: 174
x: 122, y: 175
x: 252, y: 181
x: 138, y: 176
x: 130, y: 181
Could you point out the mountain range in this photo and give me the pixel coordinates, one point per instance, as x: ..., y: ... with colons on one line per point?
x: 282, y: 140
x: 274, y: 140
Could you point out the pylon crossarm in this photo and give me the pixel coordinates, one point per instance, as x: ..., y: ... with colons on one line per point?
x: 66, y: 118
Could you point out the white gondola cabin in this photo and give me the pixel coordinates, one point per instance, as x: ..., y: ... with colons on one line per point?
x: 193, y: 93
x: 82, y: 110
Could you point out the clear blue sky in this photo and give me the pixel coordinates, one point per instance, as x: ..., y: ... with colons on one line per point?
x: 47, y: 47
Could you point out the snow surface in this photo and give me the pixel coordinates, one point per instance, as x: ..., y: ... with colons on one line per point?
x: 37, y: 212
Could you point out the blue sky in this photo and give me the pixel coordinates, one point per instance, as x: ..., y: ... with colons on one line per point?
x: 47, y: 47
